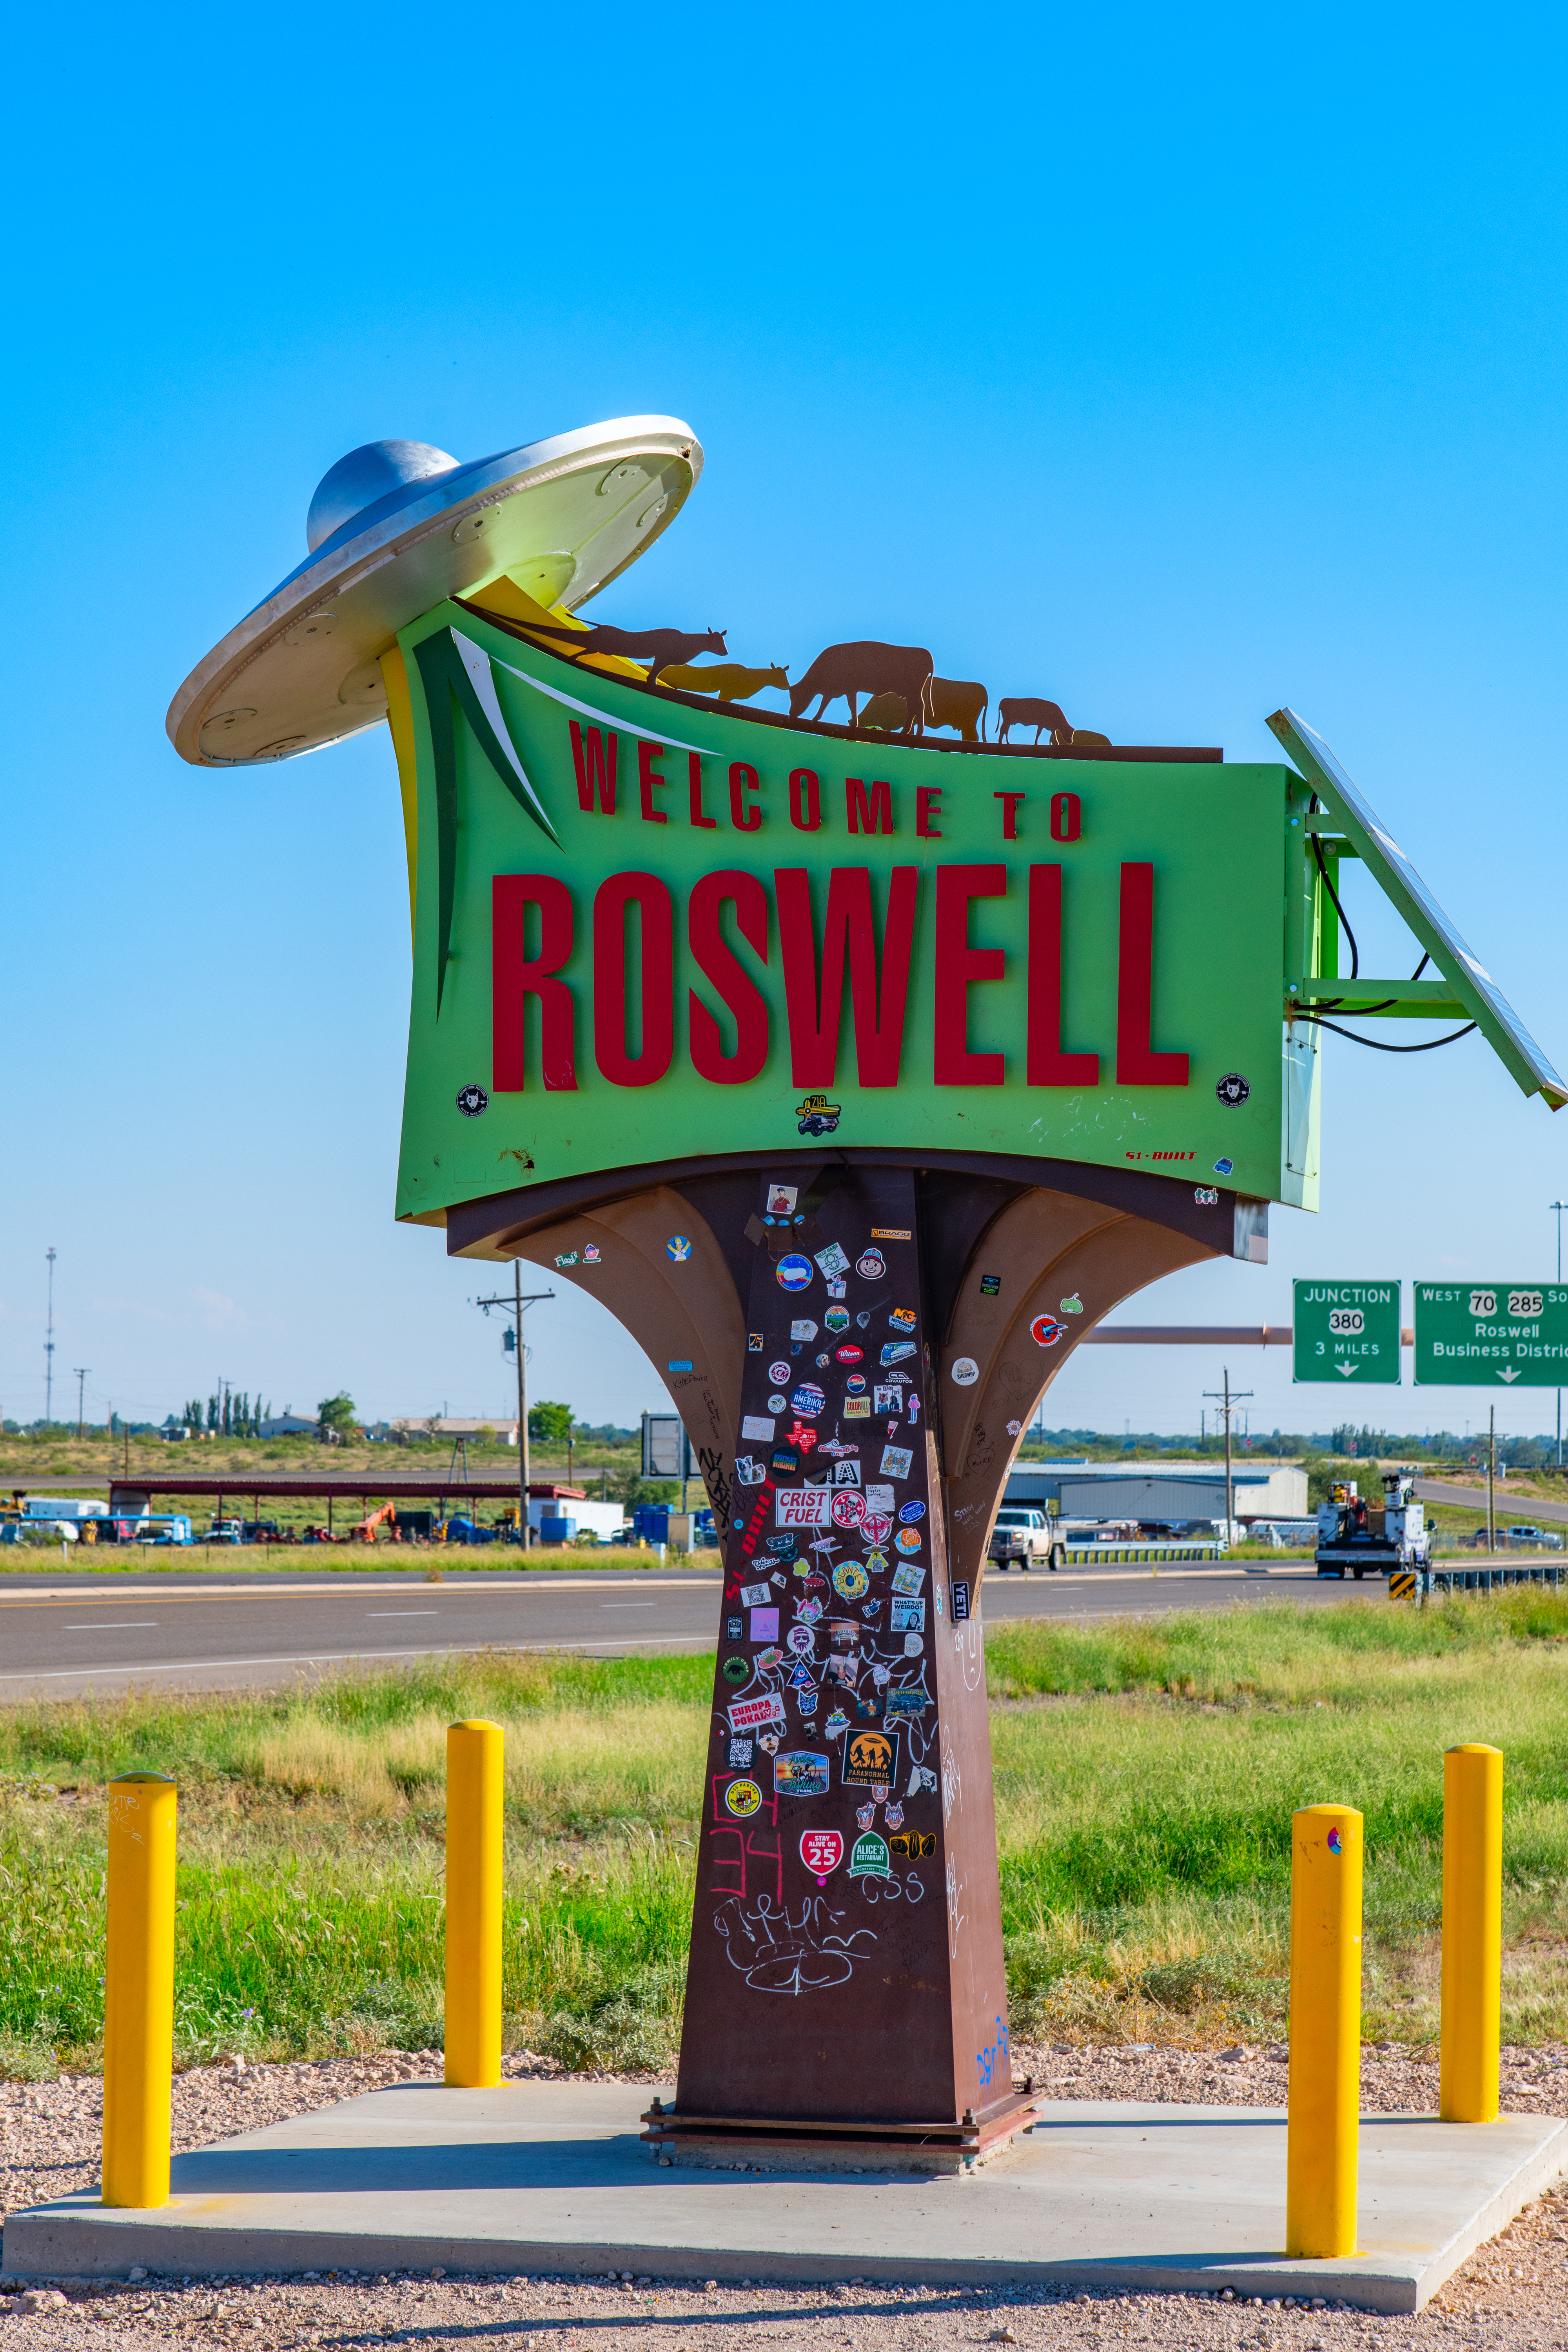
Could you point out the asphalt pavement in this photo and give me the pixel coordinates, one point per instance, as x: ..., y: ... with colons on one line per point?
x: 83, y: 1633
x: 1518, y: 1510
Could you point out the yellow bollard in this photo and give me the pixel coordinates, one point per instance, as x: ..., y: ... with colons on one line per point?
x: 473, y: 1904
x: 138, y: 1990
x: 1321, y: 2160
x: 1472, y: 1934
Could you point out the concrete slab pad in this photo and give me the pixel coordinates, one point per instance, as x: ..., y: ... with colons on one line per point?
x: 553, y: 2177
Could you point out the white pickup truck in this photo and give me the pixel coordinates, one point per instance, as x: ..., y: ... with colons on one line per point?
x: 1021, y: 1535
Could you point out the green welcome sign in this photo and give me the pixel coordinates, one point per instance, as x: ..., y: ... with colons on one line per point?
x: 645, y: 932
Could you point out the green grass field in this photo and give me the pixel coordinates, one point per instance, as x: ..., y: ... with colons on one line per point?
x: 1146, y: 1772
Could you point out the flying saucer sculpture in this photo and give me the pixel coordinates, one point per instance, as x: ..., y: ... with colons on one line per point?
x: 394, y: 528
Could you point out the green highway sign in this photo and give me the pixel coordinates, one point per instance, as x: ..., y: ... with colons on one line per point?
x: 1347, y: 1331
x: 1471, y: 1334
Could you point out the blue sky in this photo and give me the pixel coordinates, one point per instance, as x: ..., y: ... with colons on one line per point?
x: 1176, y: 366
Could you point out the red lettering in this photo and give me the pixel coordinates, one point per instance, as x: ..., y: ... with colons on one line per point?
x: 743, y: 815
x: 848, y: 929
x: 694, y: 778
x: 1047, y: 1065
x: 957, y: 968
x: 1137, y: 1064
x: 1067, y: 816
x: 655, y: 987
x: 868, y: 814
x: 717, y: 960
x: 594, y: 768
x: 928, y: 805
x: 1011, y: 803
x: 648, y: 777
x: 515, y: 976
x: 804, y: 799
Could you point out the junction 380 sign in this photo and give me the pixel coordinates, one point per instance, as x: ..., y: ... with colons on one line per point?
x: 1469, y: 1334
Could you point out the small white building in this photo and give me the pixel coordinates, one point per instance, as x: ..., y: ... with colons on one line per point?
x: 412, y: 1428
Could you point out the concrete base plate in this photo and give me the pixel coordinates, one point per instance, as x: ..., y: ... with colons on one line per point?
x: 555, y: 2177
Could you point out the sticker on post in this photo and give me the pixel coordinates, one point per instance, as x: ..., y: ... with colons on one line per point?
x: 755, y: 1596
x: 896, y: 1350
x: 757, y: 1426
x: 782, y: 1199
x: 803, y: 1506
x: 743, y: 1798
x: 868, y: 1858
x: 965, y: 1371
x: 821, y: 1851
x: 870, y: 1757
x: 959, y: 1604
x: 746, y: 1714
x: 793, y: 1273
x: 896, y: 1461
x: 800, y: 1772
x: 909, y: 1578
x: 832, y: 1261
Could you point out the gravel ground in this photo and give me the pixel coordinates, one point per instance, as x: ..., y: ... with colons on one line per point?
x: 1511, y: 2295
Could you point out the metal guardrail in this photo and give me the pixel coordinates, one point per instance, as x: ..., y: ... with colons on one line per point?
x: 1087, y: 1555
x: 1492, y: 1579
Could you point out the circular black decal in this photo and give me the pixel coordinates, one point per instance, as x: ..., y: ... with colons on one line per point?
x: 1233, y: 1090
x: 472, y: 1100
x: 736, y: 1670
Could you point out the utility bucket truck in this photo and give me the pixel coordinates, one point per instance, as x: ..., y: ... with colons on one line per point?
x: 1381, y: 1537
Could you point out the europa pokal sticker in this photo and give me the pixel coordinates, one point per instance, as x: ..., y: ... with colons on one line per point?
x: 821, y: 1851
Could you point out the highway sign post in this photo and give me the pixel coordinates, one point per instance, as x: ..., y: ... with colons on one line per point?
x: 1472, y: 1334
x: 1347, y: 1331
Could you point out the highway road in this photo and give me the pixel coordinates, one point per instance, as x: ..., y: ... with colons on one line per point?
x: 65, y: 1637
x: 1521, y: 1508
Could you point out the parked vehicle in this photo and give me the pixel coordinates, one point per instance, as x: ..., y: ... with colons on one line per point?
x: 1021, y: 1536
x: 1357, y: 1535
x: 1526, y: 1537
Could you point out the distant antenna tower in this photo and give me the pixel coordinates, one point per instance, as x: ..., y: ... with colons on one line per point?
x: 49, y: 1345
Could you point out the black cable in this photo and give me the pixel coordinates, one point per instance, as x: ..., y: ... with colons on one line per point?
x: 1376, y: 1043
x: 1322, y: 869
x: 1422, y: 966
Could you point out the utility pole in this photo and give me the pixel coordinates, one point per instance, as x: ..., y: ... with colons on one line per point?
x: 1491, y: 1468
x: 517, y: 1302
x: 1227, y: 1399
x: 49, y: 1344
x: 81, y: 1371
x: 1559, y: 1206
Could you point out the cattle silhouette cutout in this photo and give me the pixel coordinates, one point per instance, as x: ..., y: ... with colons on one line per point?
x: 959, y: 702
x: 731, y: 681
x: 659, y: 648
x: 865, y: 667
x: 1028, y: 710
x: 888, y: 714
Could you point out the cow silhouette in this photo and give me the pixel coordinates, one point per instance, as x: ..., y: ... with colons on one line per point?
x: 1026, y: 711
x: 958, y: 702
x: 887, y: 714
x: 728, y: 680
x: 658, y: 648
x: 865, y: 667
